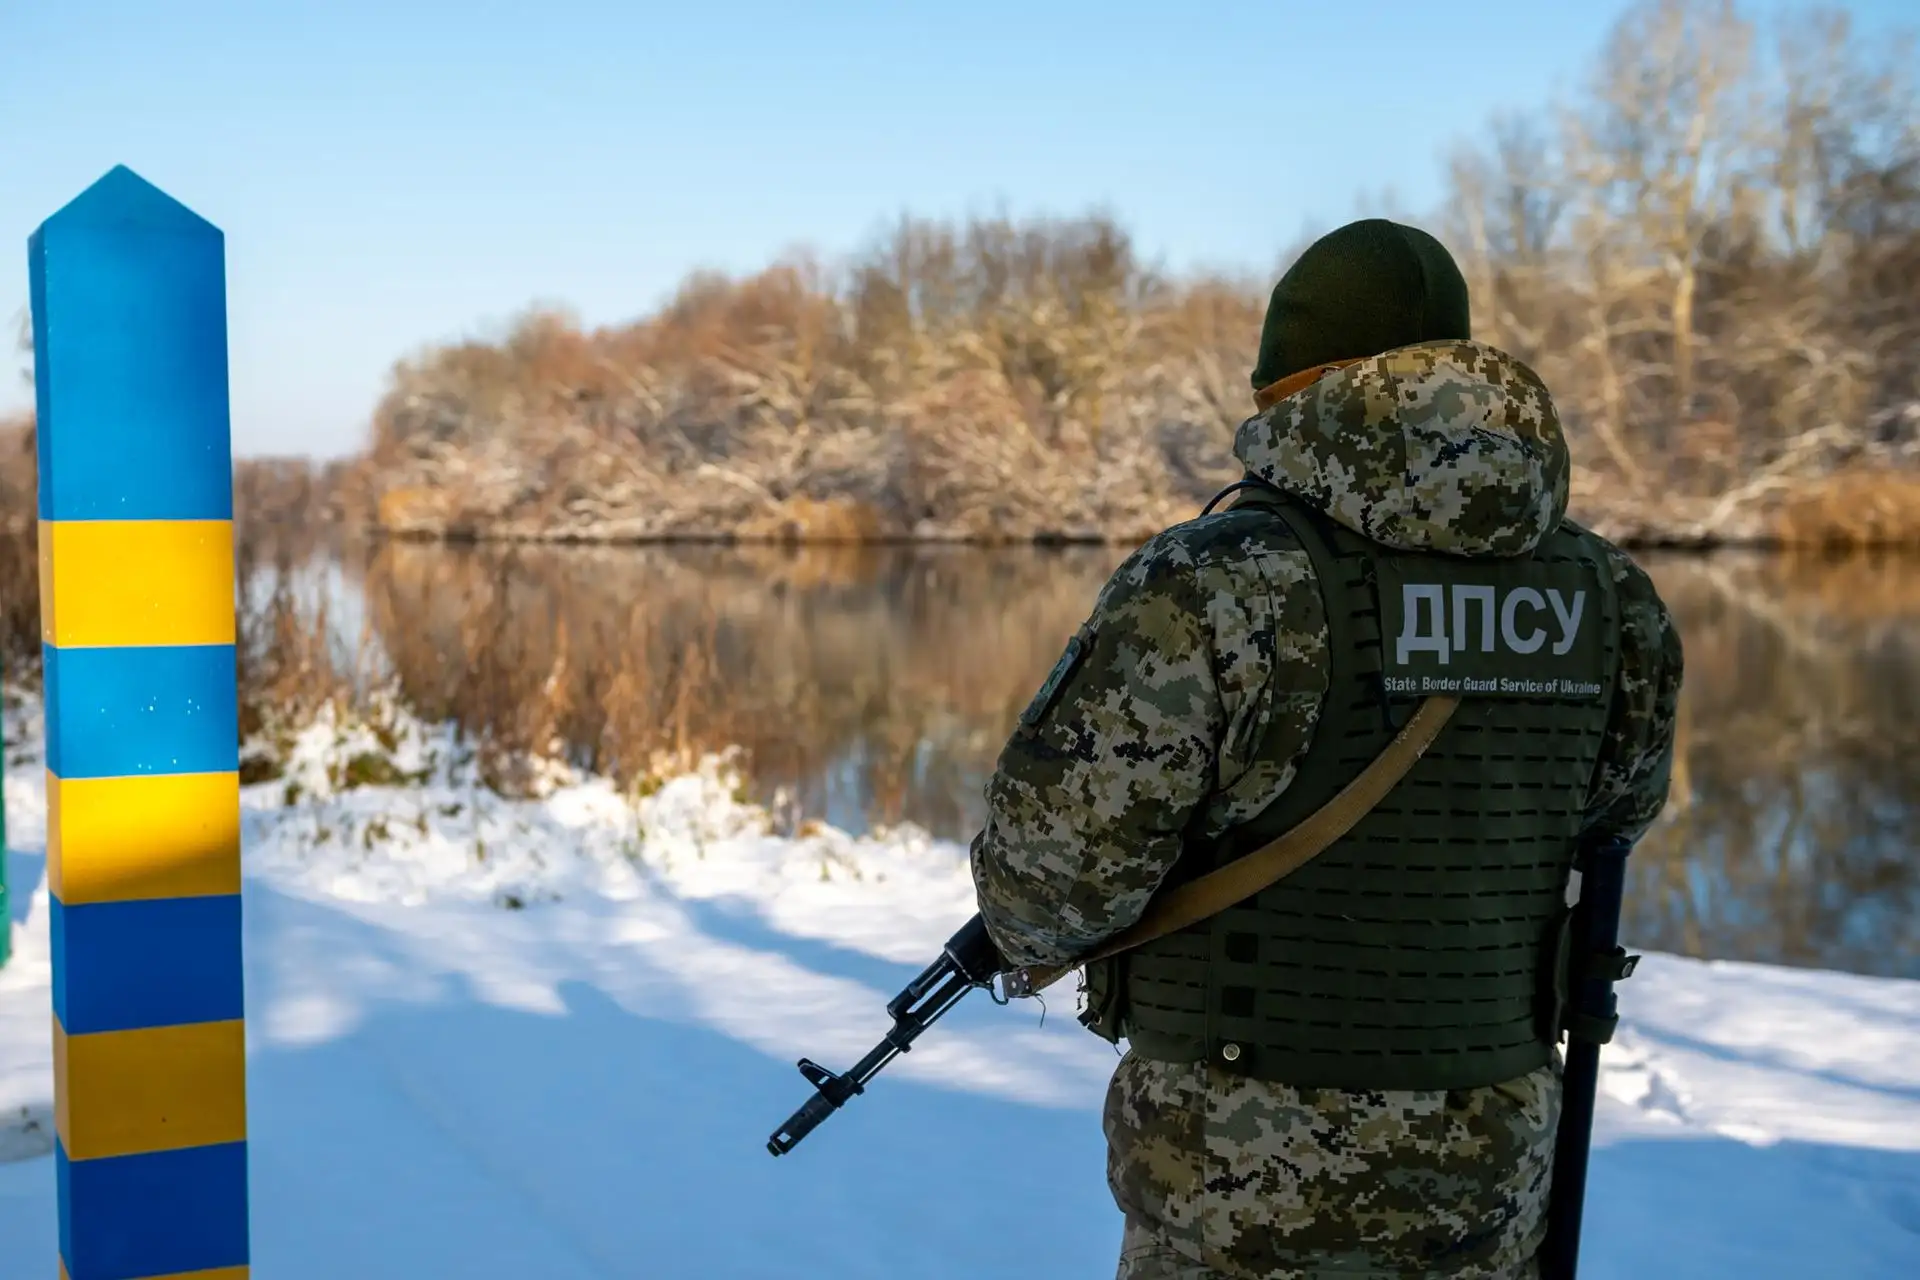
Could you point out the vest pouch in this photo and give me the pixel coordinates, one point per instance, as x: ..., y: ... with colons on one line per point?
x: 1556, y: 974
x: 1431, y: 946
x: 1105, y: 988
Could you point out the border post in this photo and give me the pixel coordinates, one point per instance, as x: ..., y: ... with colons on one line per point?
x: 128, y: 294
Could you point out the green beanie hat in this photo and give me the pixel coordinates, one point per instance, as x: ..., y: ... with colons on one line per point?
x: 1366, y: 288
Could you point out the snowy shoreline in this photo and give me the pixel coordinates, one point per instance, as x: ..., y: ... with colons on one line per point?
x: 548, y: 1037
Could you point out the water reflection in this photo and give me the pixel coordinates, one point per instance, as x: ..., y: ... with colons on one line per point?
x: 1796, y: 806
x: 875, y: 686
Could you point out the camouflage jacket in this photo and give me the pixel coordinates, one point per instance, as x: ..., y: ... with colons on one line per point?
x: 1191, y: 694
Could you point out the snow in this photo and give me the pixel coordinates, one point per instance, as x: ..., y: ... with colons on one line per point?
x: 549, y: 1038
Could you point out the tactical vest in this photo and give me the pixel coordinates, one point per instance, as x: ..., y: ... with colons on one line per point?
x: 1424, y: 949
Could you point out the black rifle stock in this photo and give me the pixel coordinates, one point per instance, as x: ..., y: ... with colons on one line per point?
x: 1598, y: 961
x: 968, y: 960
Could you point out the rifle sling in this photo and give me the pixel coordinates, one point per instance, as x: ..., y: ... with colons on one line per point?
x: 1272, y: 862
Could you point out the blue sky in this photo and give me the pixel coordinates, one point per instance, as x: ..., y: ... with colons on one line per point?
x: 392, y: 173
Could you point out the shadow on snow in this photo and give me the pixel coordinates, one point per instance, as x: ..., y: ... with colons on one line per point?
x: 461, y: 1138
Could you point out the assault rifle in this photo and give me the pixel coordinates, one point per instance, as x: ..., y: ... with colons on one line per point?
x: 1597, y: 962
x: 971, y: 960
x: 968, y: 960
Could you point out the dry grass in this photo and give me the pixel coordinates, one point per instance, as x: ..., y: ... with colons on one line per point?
x: 467, y: 651
x: 636, y: 659
x: 19, y: 603
x: 628, y: 698
x: 1852, y: 510
x: 19, y: 554
x: 478, y: 641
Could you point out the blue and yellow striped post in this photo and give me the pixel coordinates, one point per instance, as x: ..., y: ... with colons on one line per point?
x: 143, y: 803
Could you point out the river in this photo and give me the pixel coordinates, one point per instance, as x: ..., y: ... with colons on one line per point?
x: 875, y: 686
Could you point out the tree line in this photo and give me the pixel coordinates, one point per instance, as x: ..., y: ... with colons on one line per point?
x: 1709, y: 251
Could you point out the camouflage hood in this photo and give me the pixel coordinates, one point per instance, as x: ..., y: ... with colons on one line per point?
x: 1443, y: 446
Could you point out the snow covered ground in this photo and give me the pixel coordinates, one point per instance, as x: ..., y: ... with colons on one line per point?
x: 549, y: 1038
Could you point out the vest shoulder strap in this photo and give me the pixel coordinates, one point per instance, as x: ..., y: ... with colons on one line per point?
x: 1334, y: 576
x: 1276, y: 856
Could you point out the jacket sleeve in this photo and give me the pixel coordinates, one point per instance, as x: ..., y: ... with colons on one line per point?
x: 1173, y: 691
x: 1636, y: 757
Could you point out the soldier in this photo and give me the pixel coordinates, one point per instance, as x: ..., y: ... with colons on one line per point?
x: 1355, y: 1072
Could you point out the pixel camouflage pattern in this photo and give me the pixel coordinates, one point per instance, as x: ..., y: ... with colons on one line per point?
x: 1190, y: 695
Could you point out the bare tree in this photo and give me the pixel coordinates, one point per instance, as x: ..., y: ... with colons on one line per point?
x: 1707, y: 252
x: 1706, y: 257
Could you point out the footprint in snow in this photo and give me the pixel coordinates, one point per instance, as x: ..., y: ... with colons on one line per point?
x: 26, y: 1133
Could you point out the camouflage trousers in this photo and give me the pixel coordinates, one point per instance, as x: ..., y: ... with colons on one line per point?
x: 1224, y: 1177
x: 1145, y: 1256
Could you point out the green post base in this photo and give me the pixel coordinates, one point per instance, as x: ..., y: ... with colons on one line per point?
x: 6, y: 904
